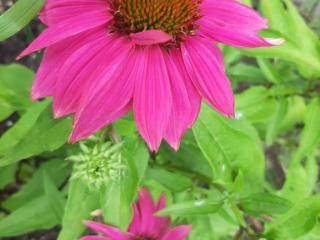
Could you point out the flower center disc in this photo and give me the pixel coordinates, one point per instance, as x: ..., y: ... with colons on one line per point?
x: 172, y: 16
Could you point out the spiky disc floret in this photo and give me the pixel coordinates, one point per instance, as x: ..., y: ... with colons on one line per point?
x: 172, y: 16
x: 98, y: 164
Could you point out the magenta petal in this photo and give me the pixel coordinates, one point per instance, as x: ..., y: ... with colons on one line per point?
x: 203, y: 63
x: 56, y: 11
x: 186, y: 100
x: 162, y: 223
x: 152, y: 96
x: 146, y: 207
x: 81, y: 67
x: 65, y: 29
x: 233, y: 23
x: 178, y: 233
x: 150, y: 37
x: 135, y: 223
x: 108, y: 231
x: 54, y: 60
x: 108, y: 94
x: 162, y: 202
x: 144, y: 221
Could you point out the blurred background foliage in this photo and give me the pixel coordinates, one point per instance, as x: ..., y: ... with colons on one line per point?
x: 253, y: 177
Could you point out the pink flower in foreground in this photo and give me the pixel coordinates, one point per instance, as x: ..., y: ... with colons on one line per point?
x: 104, y: 58
x: 144, y: 225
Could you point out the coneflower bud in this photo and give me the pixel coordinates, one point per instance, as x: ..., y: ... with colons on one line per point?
x: 98, y: 164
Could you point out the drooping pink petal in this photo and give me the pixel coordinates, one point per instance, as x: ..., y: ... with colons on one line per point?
x: 85, y: 67
x: 109, y: 90
x: 107, y: 230
x: 55, y: 58
x: 233, y: 23
x: 152, y: 95
x: 178, y: 233
x: 186, y: 100
x: 150, y: 37
x: 205, y: 68
x: 64, y: 29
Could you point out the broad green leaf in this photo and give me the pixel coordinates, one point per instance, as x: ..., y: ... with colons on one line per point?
x: 57, y: 169
x: 174, y: 181
x: 81, y: 202
x: 203, y: 228
x: 301, y: 180
x: 275, y: 123
x: 188, y: 159
x: 56, y: 199
x: 192, y: 208
x: 33, y: 215
x: 298, y: 221
x: 269, y: 71
x: 15, y: 82
x: 7, y: 175
x: 230, y: 144
x: 245, y: 72
x: 36, y: 132
x: 295, y: 114
x: 265, y: 203
x: 18, y: 16
x: 125, y: 126
x: 20, y: 130
x: 256, y: 105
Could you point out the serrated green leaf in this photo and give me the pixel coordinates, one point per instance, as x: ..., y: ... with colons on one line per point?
x: 36, y: 132
x: 31, y: 216
x: 298, y: 221
x: 265, y: 203
x: 219, y: 139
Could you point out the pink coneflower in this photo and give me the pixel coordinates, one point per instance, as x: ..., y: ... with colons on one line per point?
x: 144, y: 225
x: 104, y: 58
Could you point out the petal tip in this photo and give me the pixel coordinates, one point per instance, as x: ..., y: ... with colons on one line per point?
x: 150, y: 37
x: 275, y: 41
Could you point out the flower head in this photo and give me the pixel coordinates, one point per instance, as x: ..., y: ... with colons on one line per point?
x: 144, y: 225
x: 104, y: 58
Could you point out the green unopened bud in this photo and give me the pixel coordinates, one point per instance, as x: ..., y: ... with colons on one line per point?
x: 99, y: 164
